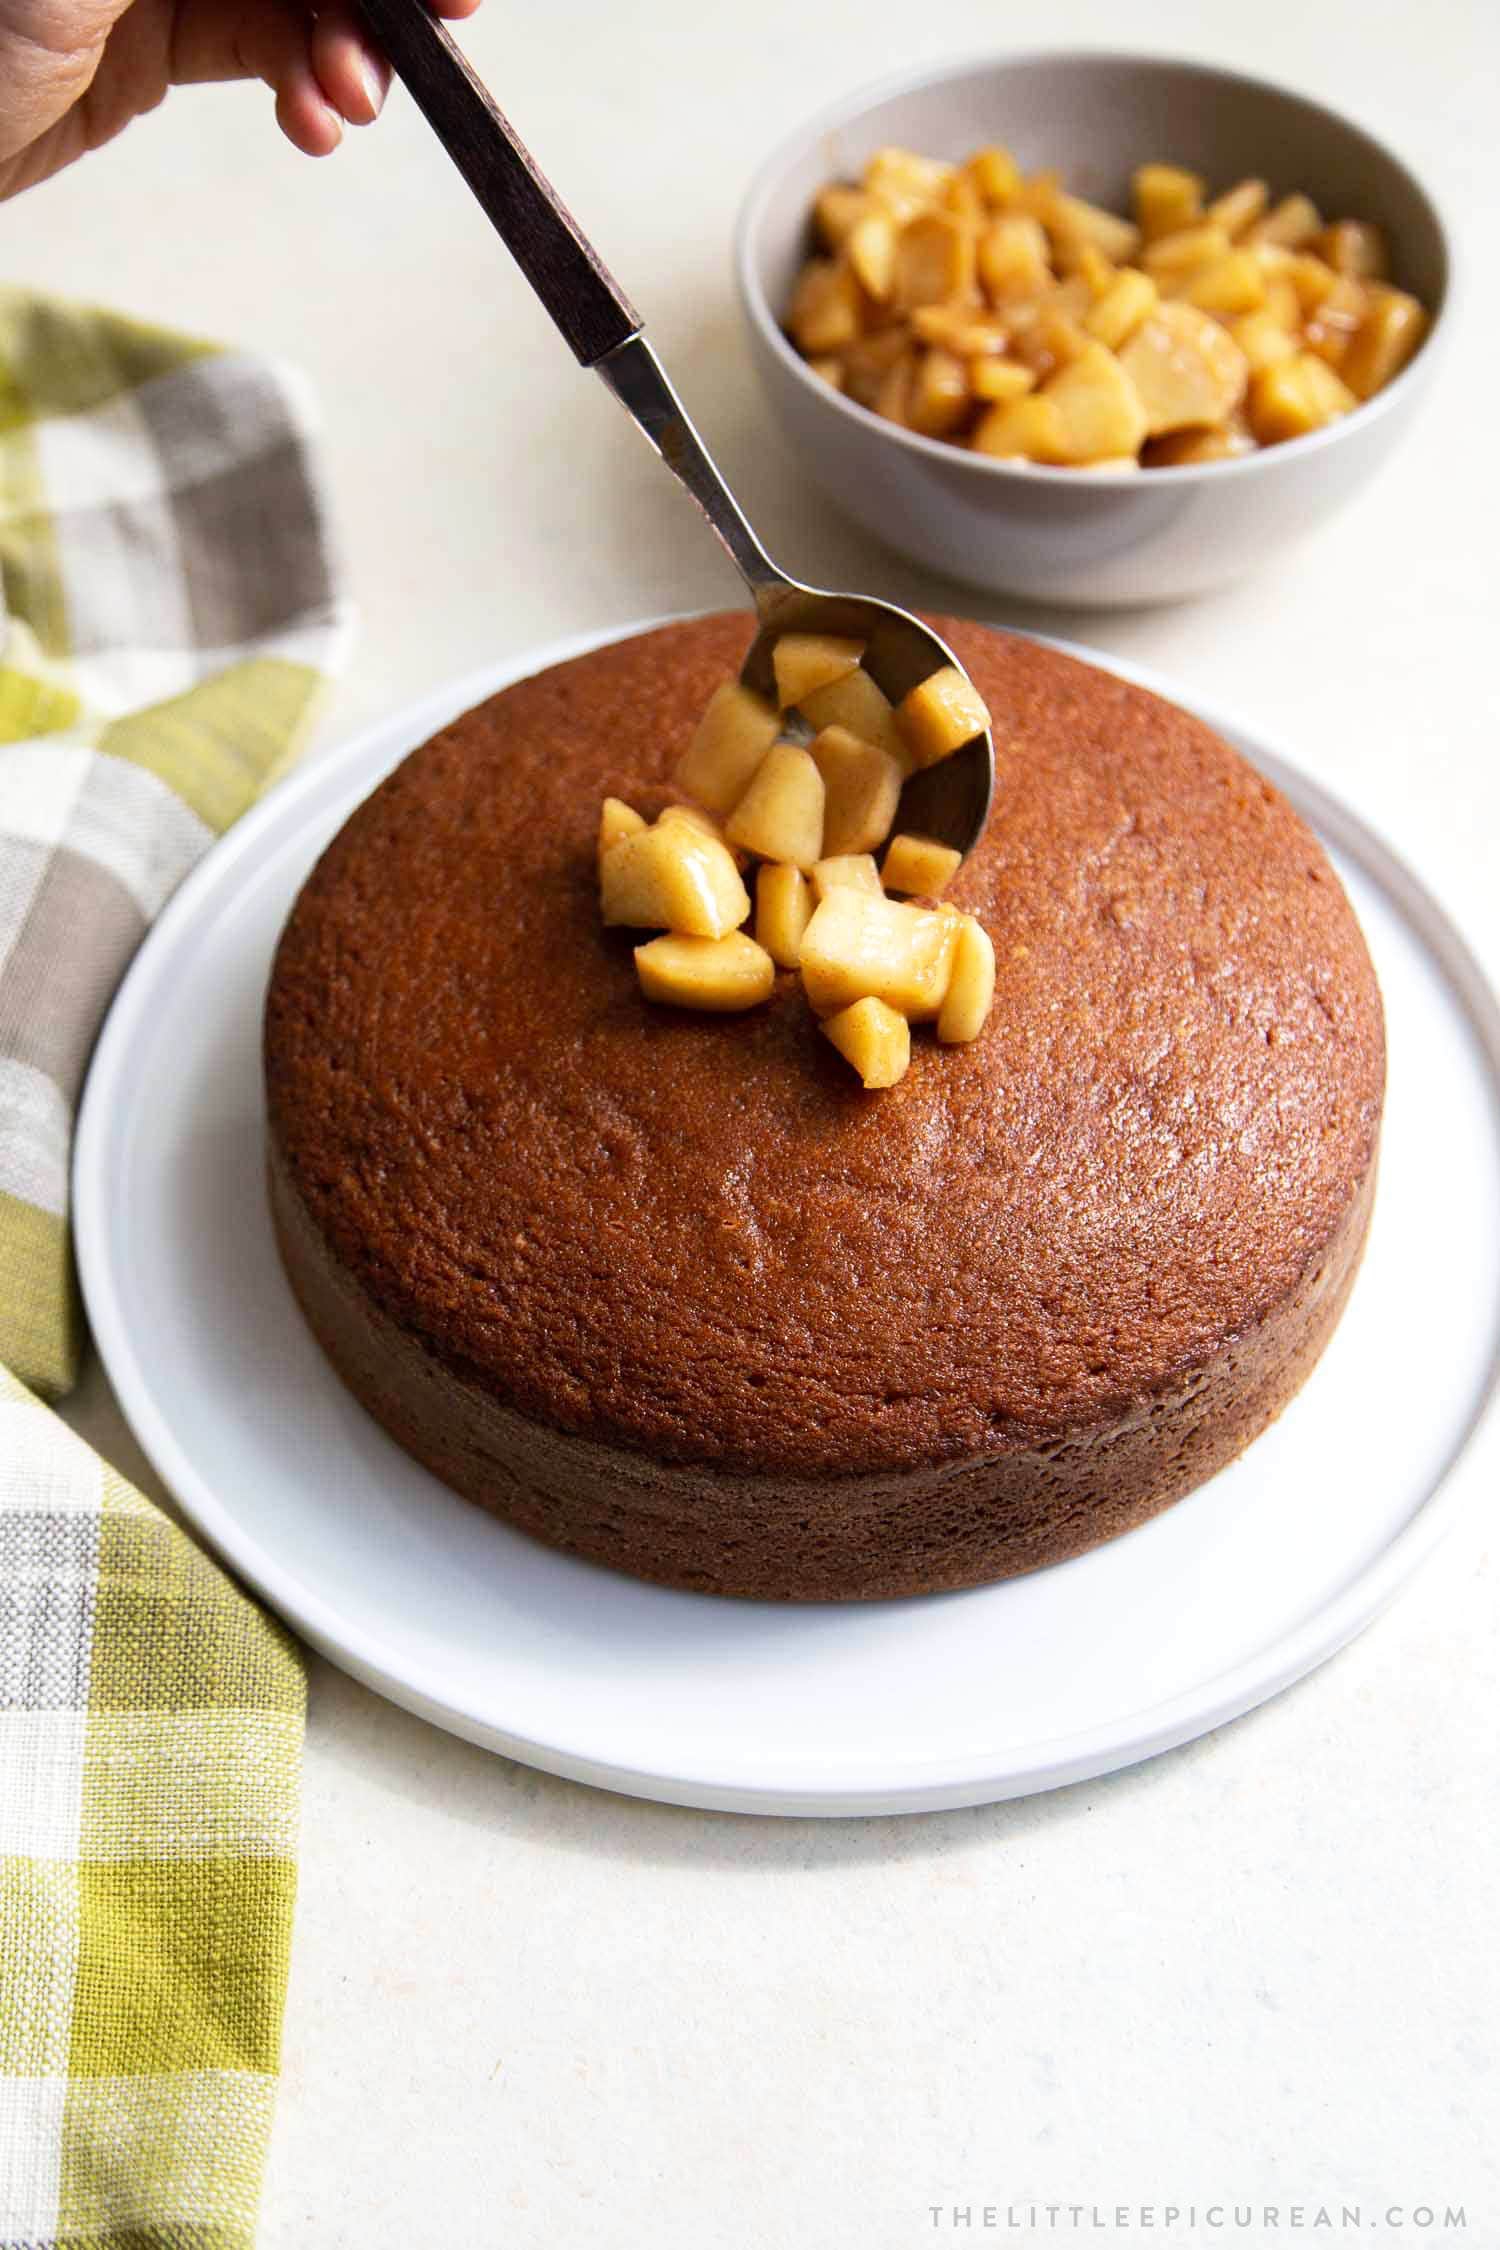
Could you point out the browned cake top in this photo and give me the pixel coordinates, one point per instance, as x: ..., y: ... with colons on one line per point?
x: 698, y: 1237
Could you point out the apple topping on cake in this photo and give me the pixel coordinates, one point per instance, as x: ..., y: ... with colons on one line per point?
x: 920, y: 866
x: 616, y: 819
x: 940, y: 715
x: 875, y: 1038
x: 733, y: 735
x: 720, y: 974
x: 971, y: 985
x: 805, y: 662
x: 780, y: 815
x: 856, y: 869
x: 813, y: 814
x: 861, y: 790
x: 855, y: 702
x: 783, y: 909
x: 671, y: 877
x: 859, y: 947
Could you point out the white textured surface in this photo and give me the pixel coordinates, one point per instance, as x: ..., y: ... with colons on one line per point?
x: 1260, y: 1970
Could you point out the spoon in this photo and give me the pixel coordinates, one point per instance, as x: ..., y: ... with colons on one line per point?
x: 950, y: 800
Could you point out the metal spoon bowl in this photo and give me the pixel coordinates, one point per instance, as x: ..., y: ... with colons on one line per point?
x: 950, y: 800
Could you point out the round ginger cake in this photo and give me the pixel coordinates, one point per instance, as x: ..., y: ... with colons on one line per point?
x: 674, y: 1293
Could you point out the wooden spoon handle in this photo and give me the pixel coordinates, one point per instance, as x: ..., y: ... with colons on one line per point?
x: 592, y: 311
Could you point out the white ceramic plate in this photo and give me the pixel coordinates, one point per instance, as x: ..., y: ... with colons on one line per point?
x: 956, y: 1699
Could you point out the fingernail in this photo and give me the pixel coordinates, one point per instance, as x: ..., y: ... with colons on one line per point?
x: 373, y: 81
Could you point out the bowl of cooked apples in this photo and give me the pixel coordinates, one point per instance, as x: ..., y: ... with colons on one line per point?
x: 1092, y: 328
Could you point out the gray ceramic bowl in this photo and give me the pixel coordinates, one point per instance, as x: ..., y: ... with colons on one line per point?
x: 1108, y: 539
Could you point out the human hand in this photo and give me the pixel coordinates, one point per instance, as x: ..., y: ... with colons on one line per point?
x: 73, y: 73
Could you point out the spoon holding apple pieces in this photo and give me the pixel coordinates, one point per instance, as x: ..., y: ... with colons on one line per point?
x: 949, y: 800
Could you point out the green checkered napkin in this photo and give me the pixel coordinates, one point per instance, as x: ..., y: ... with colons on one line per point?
x: 169, y: 614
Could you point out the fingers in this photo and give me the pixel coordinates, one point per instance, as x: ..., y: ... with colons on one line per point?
x: 353, y: 74
x: 265, y: 39
x: 322, y: 66
x: 273, y: 43
x: 353, y: 79
x: 309, y: 121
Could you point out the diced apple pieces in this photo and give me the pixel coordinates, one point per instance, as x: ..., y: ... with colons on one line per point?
x: 838, y: 211
x: 893, y: 398
x: 732, y: 737
x: 1355, y: 247
x: 1023, y: 429
x: 995, y: 173
x: 804, y: 662
x: 870, y: 248
x: 971, y: 304
x: 1121, y: 308
x: 692, y: 816
x: 971, y: 985
x: 904, y: 181
x: 1240, y: 207
x: 1185, y: 449
x: 783, y: 909
x: 934, y: 260
x: 859, y: 947
x: 920, y: 865
x: 672, y: 878
x: 1312, y: 280
x: 857, y: 703
x: 862, y: 787
x: 1096, y: 273
x: 1102, y: 414
x: 1166, y: 199
x: 1383, y: 343
x: 616, y: 819
x: 941, y: 714
x: 1187, y: 370
x: 855, y: 869
x: 780, y: 816
x: 1013, y: 259
x: 1073, y: 221
x: 721, y: 974
x: 1235, y: 284
x: 1283, y: 304
x: 875, y: 1038
x: 1295, y: 397
x: 997, y: 381
x: 1290, y: 225
x: 939, y: 397
x: 1173, y: 256
x: 705, y: 824
x: 825, y: 310
x: 958, y: 328
x: 1262, y: 338
x: 1332, y: 326
x: 1052, y: 335
x: 871, y: 966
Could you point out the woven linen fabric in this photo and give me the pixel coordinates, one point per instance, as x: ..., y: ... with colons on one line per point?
x: 150, y: 1738
x: 168, y: 613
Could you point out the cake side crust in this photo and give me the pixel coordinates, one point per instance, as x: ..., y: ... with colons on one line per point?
x: 930, y: 1529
